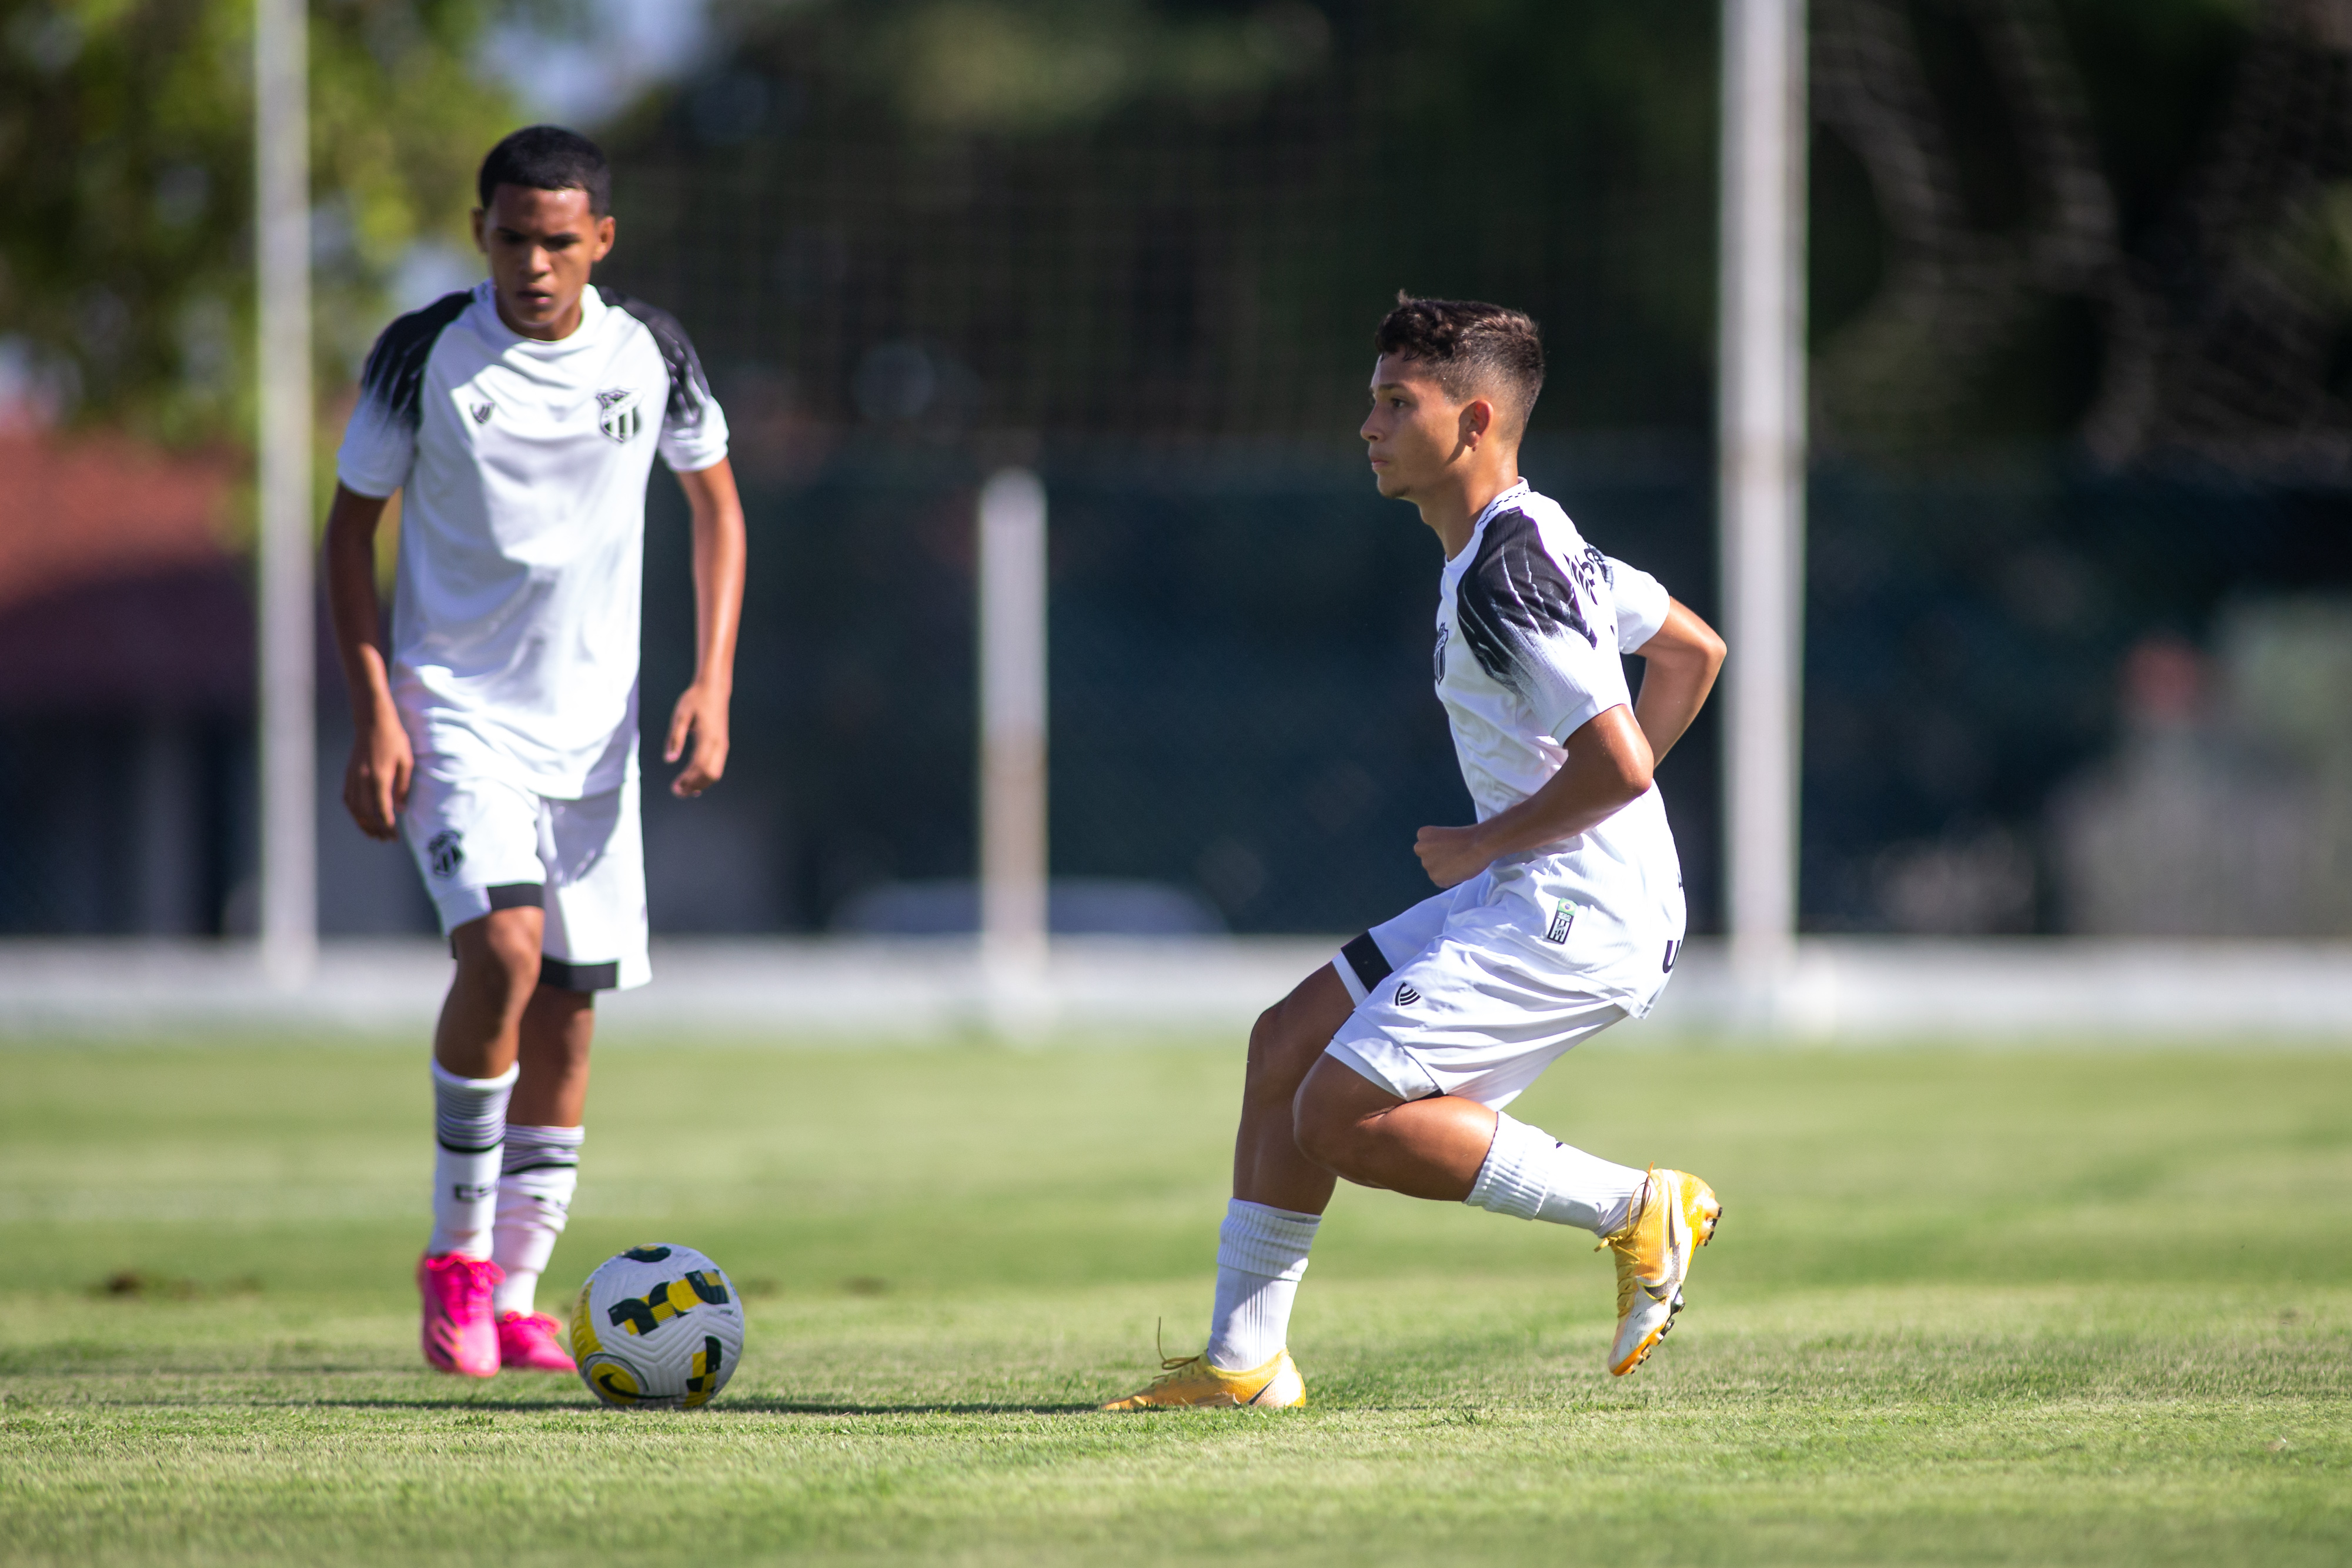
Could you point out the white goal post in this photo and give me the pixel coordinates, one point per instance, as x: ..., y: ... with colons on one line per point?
x: 287, y: 639
x: 1760, y: 457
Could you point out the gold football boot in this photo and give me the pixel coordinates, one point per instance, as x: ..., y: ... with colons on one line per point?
x: 1673, y: 1216
x: 1189, y: 1382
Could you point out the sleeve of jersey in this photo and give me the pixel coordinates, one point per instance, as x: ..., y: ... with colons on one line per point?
x: 1642, y: 605
x: 693, y: 427
x: 1529, y: 628
x: 378, y: 448
x: 379, y: 442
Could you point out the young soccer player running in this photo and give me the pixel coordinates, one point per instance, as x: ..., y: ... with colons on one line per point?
x: 518, y: 421
x: 1562, y: 911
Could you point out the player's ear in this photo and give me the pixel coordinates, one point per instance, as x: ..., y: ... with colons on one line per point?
x: 481, y: 238
x: 1477, y: 421
x: 604, y: 238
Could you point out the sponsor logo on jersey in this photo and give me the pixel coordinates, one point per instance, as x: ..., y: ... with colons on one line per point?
x: 1563, y: 917
x: 1673, y: 950
x: 443, y: 853
x: 481, y: 412
x: 617, y: 414
x: 1406, y: 996
x: 1444, y: 630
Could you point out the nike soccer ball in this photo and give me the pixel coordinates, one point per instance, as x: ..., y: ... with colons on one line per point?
x: 658, y: 1328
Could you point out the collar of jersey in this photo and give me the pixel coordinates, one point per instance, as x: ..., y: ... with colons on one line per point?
x: 591, y: 315
x: 1517, y: 492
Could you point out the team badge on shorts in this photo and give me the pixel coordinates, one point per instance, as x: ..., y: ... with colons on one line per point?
x: 617, y: 414
x: 1563, y: 918
x: 443, y: 854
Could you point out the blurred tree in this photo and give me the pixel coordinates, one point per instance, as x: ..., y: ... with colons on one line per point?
x: 126, y: 179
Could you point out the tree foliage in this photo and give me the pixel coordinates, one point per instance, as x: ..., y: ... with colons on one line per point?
x: 126, y: 285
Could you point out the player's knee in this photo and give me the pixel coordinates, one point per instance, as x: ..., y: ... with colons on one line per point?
x: 1271, y: 1073
x: 1285, y: 1044
x: 502, y: 949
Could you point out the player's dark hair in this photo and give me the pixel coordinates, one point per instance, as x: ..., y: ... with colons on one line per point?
x: 550, y: 158
x: 1471, y: 348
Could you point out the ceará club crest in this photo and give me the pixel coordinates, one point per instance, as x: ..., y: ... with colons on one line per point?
x: 617, y: 414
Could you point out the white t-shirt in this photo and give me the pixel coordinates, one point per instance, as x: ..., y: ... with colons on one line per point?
x: 1532, y: 624
x: 523, y: 466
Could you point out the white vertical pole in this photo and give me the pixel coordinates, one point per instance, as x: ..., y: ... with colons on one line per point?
x: 1761, y: 439
x: 1012, y: 908
x: 281, y: 136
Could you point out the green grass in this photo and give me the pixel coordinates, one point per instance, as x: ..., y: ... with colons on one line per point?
x: 2060, y: 1307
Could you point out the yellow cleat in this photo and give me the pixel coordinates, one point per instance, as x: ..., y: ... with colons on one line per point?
x: 1189, y: 1382
x: 1673, y: 1216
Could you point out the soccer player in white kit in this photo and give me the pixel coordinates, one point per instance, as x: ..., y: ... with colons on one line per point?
x: 519, y: 421
x: 1561, y: 911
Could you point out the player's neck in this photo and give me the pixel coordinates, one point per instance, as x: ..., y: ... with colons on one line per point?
x: 553, y: 331
x: 1451, y: 507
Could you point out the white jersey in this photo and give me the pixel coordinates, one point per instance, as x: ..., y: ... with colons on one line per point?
x: 1532, y: 624
x: 523, y: 465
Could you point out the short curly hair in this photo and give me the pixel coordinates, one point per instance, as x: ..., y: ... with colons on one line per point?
x: 1471, y: 348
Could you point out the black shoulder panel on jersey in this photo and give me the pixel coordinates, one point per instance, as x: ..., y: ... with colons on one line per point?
x: 394, y: 375
x: 689, y: 391
x: 1513, y: 596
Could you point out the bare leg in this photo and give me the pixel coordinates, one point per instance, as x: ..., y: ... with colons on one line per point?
x: 1290, y: 1036
x: 552, y: 1090
x: 497, y: 971
x: 1424, y: 1148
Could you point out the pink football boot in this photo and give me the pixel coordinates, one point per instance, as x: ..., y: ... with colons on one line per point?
x: 531, y: 1341
x: 459, y: 1333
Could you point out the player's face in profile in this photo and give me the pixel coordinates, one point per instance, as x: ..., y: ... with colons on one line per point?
x: 1413, y: 432
x: 540, y: 246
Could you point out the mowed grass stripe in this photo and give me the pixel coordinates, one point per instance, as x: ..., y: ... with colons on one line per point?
x: 1966, y: 1307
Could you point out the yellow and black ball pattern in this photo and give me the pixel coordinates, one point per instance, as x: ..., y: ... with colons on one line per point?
x: 658, y: 1328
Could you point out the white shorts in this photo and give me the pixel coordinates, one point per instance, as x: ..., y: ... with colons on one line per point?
x: 1453, y: 998
x: 485, y: 844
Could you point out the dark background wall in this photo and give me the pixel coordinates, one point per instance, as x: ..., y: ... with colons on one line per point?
x: 2081, y: 361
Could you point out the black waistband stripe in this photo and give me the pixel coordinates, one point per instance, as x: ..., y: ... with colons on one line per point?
x: 1364, y: 956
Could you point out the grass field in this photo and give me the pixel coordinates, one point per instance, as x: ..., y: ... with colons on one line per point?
x: 2070, y: 1307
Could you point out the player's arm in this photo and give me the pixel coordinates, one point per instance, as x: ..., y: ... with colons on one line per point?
x: 1683, y: 656
x: 700, y: 717
x: 376, y: 780
x: 1607, y: 768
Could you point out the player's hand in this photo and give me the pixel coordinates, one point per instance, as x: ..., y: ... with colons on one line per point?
x: 701, y: 716
x: 1451, y: 855
x: 375, y: 781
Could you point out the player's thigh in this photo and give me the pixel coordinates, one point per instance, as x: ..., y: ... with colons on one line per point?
x: 475, y: 843
x: 593, y: 850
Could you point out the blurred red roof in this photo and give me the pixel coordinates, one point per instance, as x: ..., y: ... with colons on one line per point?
x: 116, y: 591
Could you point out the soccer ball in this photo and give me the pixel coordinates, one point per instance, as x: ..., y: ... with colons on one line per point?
x: 658, y: 1328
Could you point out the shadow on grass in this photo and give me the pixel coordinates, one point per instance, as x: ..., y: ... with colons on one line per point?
x: 745, y: 1406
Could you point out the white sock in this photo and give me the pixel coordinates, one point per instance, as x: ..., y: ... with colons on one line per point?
x: 540, y: 1167
x: 469, y: 1122
x: 1534, y: 1175
x: 1261, y: 1256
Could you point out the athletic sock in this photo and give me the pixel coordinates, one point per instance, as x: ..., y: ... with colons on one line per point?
x: 1530, y: 1174
x: 535, y: 1181
x: 470, y: 1122
x: 1261, y: 1256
